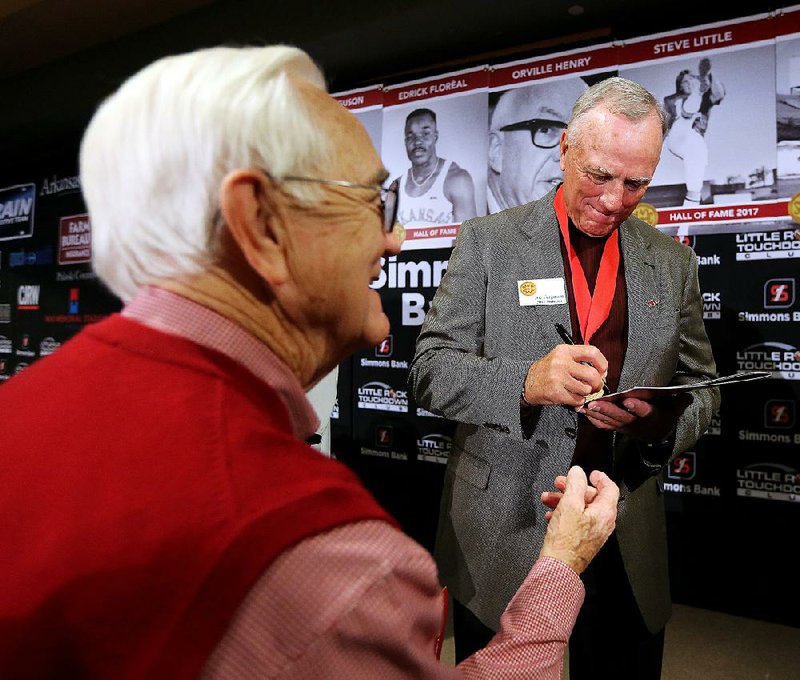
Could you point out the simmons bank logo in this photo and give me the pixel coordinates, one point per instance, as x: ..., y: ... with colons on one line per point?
x: 782, y: 360
x: 768, y: 481
x: 382, y: 397
x: 779, y: 419
x: 414, y: 275
x: 17, y: 205
x: 682, y: 467
x: 681, y: 471
x: 779, y: 293
x: 778, y: 297
x: 384, y: 436
x: 385, y: 347
x: 383, y: 447
x: 434, y: 448
x: 780, y: 414
x: 691, y: 241
x: 384, y: 350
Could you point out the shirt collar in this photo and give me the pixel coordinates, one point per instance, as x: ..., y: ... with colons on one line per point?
x: 171, y: 313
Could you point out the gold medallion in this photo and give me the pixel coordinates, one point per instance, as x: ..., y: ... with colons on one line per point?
x: 794, y: 208
x: 647, y: 213
x: 527, y: 288
x: 593, y: 396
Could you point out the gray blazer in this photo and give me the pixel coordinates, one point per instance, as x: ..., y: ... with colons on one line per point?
x: 472, y: 356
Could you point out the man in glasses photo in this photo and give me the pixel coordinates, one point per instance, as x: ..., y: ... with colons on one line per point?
x: 433, y: 191
x: 525, y: 126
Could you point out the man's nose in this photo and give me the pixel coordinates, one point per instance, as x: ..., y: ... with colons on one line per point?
x: 394, y: 240
x: 611, y: 198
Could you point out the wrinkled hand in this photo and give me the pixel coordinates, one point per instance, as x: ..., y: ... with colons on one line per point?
x: 637, y: 418
x: 559, y: 377
x: 583, y: 517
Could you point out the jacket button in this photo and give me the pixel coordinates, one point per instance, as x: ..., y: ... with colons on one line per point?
x: 571, y: 432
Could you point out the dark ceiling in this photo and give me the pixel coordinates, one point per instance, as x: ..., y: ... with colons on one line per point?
x: 58, y: 58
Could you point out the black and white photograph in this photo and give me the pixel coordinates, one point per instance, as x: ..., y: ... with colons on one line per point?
x: 720, y: 147
x: 787, y: 95
x: 525, y: 126
x: 436, y: 148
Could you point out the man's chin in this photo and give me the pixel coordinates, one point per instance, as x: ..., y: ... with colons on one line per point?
x: 598, y: 229
x: 376, y: 330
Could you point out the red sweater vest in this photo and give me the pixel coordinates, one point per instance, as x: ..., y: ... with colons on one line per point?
x: 147, y: 483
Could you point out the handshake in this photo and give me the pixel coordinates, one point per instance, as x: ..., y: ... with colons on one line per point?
x: 581, y: 517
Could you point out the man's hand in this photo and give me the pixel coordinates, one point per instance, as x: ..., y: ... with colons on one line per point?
x: 567, y: 374
x: 583, y: 517
x: 637, y: 418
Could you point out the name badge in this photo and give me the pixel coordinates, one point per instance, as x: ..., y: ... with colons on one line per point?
x: 542, y: 292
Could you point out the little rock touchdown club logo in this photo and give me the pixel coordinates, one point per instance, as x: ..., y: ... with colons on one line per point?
x: 382, y: 397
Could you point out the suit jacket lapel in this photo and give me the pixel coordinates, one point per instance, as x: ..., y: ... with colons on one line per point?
x: 643, y: 301
x: 541, y: 257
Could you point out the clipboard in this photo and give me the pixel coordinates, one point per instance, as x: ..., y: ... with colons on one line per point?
x: 650, y: 393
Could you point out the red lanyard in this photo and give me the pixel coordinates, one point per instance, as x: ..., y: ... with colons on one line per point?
x: 592, y: 310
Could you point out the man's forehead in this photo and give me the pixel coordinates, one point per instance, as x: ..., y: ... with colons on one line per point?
x: 550, y: 101
x: 422, y: 120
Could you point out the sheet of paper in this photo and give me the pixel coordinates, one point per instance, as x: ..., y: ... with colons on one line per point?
x: 650, y: 393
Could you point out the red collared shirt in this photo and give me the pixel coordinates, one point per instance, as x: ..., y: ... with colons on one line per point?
x: 362, y: 600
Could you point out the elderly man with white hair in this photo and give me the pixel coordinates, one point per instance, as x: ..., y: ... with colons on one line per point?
x: 163, y: 516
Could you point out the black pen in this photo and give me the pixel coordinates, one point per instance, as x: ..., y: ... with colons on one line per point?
x: 567, y: 338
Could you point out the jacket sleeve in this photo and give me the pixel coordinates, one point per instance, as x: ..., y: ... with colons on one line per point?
x: 695, y: 363
x: 450, y: 374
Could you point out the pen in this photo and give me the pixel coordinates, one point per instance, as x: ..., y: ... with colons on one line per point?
x: 567, y: 338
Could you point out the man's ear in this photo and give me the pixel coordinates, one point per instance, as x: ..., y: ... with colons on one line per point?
x: 496, y: 152
x: 563, y: 146
x: 255, y: 215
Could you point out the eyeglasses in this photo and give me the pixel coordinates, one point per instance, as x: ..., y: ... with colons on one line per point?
x: 388, y: 195
x: 545, y: 133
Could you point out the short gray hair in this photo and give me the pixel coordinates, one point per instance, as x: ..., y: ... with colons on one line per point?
x: 156, y: 151
x: 620, y: 96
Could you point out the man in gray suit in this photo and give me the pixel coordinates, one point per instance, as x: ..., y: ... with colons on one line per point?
x: 494, y: 355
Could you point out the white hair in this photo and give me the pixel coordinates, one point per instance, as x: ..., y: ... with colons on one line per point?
x: 621, y: 97
x: 156, y: 151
